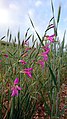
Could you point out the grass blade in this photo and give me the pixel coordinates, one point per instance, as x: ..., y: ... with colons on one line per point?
x: 62, y: 47
x: 26, y: 33
x: 59, y: 11
x: 52, y: 7
x: 53, y: 76
x: 2, y: 38
x: 36, y: 33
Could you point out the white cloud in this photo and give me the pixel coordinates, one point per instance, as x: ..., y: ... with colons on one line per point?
x: 38, y: 3
x: 4, y: 3
x: 3, y: 16
x: 13, y: 6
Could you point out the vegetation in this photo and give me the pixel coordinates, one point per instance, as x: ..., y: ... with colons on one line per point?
x: 32, y: 75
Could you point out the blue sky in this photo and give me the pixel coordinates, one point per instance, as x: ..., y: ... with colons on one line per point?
x: 14, y: 15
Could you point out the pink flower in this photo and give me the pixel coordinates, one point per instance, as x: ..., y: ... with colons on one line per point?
x: 45, y: 56
x: 46, y: 52
x: 28, y: 69
x: 46, y: 48
x: 27, y: 49
x: 16, y: 81
x: 22, y: 61
x: 51, y: 38
x: 28, y: 72
x: 6, y: 55
x: 41, y: 63
x: 26, y: 42
x: 15, y: 88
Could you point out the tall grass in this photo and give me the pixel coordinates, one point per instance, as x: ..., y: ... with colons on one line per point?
x: 45, y: 84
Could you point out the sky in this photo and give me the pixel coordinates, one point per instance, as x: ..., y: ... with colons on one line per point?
x: 14, y: 14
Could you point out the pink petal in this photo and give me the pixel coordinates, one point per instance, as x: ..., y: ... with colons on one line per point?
x: 51, y: 38
x: 18, y: 88
x: 27, y: 49
x: 16, y: 81
x: 52, y: 35
x: 41, y: 63
x: 28, y: 69
x: 43, y: 53
x: 45, y: 58
x: 46, y: 48
x: 28, y: 73
x: 22, y: 61
x: 12, y: 88
x: 26, y: 42
x: 6, y: 55
x: 14, y: 92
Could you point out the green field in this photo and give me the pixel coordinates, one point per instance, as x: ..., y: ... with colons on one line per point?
x: 34, y: 77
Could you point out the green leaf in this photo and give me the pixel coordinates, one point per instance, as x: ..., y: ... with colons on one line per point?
x: 26, y: 33
x: 52, y: 7
x: 47, y: 108
x: 59, y: 11
x: 18, y: 38
x: 34, y: 43
x: 51, y: 19
x: 8, y: 33
x: 15, y: 39
x: 28, y: 38
x: 32, y: 38
x: 39, y: 38
x: 15, y: 52
x: 62, y: 47
x: 12, y: 109
x: 33, y: 110
x: 53, y: 76
x: 36, y: 33
x: 10, y: 53
x: 2, y: 38
x: 49, y: 27
x: 10, y: 37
